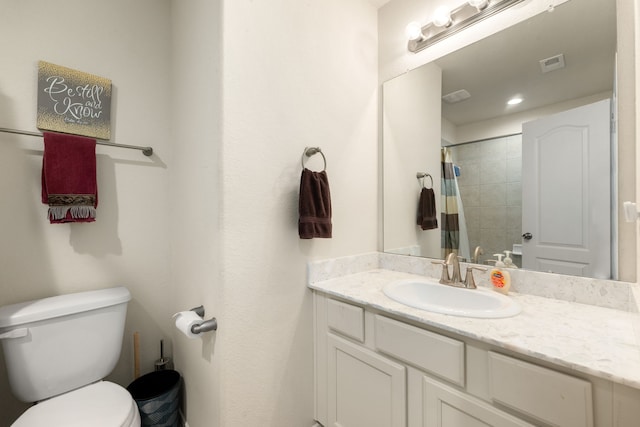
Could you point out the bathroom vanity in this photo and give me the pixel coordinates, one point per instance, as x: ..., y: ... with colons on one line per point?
x: 379, y: 363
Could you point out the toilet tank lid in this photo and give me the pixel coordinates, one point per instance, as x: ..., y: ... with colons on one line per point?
x: 61, y: 305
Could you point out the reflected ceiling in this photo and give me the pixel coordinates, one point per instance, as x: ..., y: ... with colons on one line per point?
x: 583, y: 31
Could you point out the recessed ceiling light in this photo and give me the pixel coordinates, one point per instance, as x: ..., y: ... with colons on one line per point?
x: 514, y: 101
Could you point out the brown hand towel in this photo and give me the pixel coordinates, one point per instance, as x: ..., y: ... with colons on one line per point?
x: 69, y: 183
x: 427, y: 219
x: 314, y: 205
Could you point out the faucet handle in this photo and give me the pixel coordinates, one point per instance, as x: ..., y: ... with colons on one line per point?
x: 444, y: 277
x: 469, y: 283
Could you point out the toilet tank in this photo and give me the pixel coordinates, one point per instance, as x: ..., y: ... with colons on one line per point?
x: 57, y: 344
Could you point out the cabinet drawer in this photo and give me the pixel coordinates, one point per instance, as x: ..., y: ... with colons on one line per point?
x: 433, y: 353
x: 346, y: 319
x: 549, y: 396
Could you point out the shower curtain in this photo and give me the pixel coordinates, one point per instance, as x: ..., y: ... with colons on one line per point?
x: 454, y: 228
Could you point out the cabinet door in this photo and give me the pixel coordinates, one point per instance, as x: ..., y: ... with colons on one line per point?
x: 364, y: 389
x: 444, y: 406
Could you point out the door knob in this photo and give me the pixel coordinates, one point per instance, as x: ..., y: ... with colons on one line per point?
x: 527, y: 236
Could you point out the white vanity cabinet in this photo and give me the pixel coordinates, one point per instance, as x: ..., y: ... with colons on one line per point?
x: 445, y: 406
x: 372, y: 370
x: 365, y: 389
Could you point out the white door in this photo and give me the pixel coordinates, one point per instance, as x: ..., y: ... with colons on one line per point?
x: 566, y: 186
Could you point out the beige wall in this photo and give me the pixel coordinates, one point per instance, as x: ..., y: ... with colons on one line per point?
x: 291, y: 74
x: 195, y: 191
x: 229, y: 97
x: 128, y: 244
x: 229, y: 100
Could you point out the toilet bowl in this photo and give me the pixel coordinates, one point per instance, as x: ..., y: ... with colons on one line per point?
x: 57, y: 352
x: 102, y: 404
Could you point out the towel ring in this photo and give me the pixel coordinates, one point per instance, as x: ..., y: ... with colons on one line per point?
x: 421, y: 176
x: 310, y: 151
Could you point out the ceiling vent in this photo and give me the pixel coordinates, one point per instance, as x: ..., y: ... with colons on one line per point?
x: 552, y: 64
x: 457, y: 96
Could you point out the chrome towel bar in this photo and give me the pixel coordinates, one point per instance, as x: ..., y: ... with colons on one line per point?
x: 147, y: 151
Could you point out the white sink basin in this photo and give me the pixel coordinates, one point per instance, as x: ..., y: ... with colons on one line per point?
x: 432, y: 296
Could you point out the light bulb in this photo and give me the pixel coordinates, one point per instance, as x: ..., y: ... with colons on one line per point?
x: 414, y: 31
x: 515, y: 101
x: 442, y: 17
x: 479, y: 4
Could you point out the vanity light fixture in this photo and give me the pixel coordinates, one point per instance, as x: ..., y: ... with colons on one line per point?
x: 442, y: 17
x: 414, y: 31
x: 479, y: 4
x: 446, y: 23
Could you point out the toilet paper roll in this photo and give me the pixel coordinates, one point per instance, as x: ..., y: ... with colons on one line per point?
x: 185, y: 320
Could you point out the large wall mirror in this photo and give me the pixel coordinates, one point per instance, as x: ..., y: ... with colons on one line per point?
x: 507, y: 159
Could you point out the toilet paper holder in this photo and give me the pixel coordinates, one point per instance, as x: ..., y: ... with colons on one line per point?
x: 207, y: 325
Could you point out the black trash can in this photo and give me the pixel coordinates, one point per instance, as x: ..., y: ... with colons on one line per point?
x: 158, y: 397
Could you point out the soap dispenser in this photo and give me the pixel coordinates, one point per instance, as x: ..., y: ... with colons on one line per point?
x: 508, y: 262
x: 500, y: 278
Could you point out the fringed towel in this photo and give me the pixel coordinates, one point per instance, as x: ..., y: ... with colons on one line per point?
x: 69, y: 183
x: 314, y: 205
x: 427, y: 214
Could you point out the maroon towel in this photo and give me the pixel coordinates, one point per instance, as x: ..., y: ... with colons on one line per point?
x: 314, y: 205
x: 427, y: 216
x: 69, y: 183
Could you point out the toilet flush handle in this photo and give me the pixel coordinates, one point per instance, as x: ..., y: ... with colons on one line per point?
x: 14, y: 333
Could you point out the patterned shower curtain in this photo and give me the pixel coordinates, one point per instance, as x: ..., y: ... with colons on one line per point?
x: 454, y: 234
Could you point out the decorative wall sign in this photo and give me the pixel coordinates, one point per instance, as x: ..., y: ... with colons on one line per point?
x: 71, y: 101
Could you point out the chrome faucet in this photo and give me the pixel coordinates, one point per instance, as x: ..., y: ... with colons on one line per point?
x: 452, y: 259
x: 445, y: 277
x: 455, y: 279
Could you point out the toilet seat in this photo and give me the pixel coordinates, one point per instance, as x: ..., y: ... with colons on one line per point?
x: 102, y: 404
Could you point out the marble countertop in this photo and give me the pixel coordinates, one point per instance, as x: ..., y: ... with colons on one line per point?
x: 599, y: 341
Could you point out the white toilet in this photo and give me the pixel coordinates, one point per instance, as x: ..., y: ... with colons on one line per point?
x: 57, y: 352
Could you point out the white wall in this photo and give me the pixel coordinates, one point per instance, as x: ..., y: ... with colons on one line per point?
x: 196, y: 198
x: 296, y: 74
x: 128, y: 244
x: 411, y: 131
x: 512, y: 123
x: 293, y: 74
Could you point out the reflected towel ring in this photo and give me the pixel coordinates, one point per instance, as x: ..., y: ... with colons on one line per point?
x: 310, y: 151
x: 421, y: 176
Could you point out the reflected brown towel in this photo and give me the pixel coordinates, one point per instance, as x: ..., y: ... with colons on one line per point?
x: 427, y: 219
x: 69, y: 183
x: 314, y: 205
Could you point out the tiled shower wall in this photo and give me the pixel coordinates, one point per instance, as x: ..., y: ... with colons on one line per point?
x: 491, y: 191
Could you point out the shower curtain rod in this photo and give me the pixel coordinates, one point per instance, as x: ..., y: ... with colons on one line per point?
x: 147, y: 151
